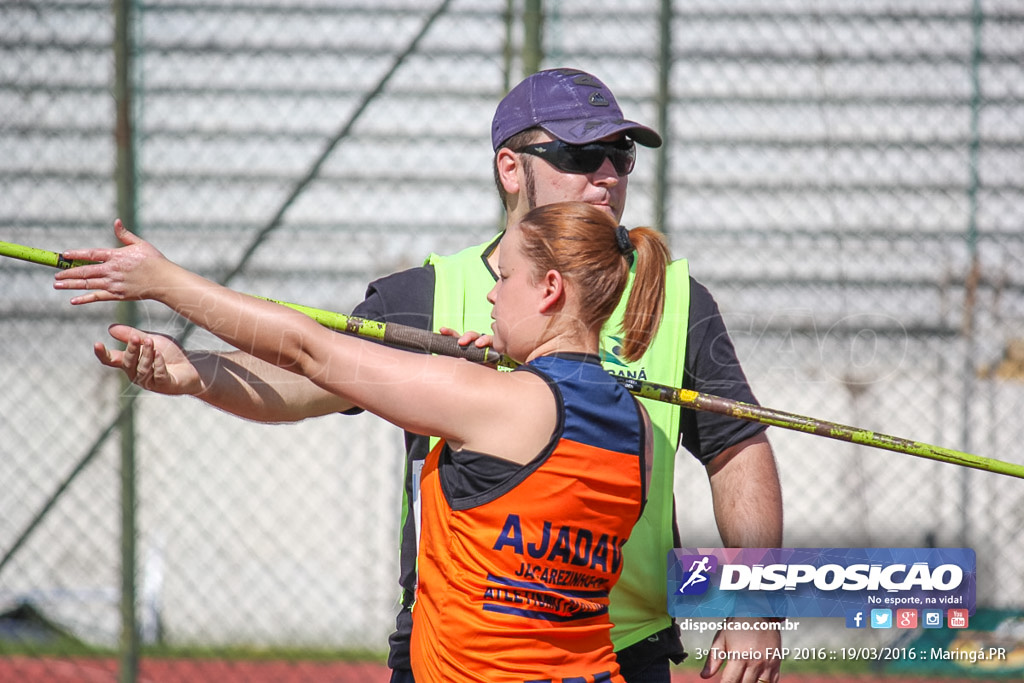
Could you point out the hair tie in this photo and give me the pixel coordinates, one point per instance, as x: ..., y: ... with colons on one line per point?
x: 622, y: 239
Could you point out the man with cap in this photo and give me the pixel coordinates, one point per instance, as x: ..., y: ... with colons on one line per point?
x: 557, y: 136
x: 560, y: 135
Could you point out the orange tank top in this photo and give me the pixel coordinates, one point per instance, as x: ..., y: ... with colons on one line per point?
x: 514, y: 583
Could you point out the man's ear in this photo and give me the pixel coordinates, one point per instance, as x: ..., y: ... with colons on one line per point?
x: 554, y: 292
x: 507, y: 164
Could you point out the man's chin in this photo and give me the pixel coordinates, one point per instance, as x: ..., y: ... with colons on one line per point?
x: 608, y: 209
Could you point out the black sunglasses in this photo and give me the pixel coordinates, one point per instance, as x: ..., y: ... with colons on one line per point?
x: 584, y: 158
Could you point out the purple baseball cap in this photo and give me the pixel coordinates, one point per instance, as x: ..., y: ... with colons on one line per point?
x: 572, y: 105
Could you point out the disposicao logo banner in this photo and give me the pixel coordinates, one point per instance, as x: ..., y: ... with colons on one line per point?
x: 817, y: 582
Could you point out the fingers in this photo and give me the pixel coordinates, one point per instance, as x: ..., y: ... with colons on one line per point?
x: 100, y: 284
x: 485, y: 340
x: 123, y: 234
x: 93, y: 270
x: 92, y: 297
x: 138, y: 360
x: 146, y: 364
x: 120, y: 332
x: 738, y: 671
x: 110, y: 358
x: 92, y: 277
x: 130, y: 359
x: 465, y: 339
x: 713, y: 664
x: 743, y: 669
x: 753, y: 672
x: 159, y: 367
x: 469, y: 337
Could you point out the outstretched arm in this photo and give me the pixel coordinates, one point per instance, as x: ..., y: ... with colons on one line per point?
x: 450, y: 398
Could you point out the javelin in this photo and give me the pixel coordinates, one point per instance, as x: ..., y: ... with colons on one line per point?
x: 412, y: 338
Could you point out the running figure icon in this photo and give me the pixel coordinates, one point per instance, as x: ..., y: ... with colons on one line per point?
x: 698, y: 570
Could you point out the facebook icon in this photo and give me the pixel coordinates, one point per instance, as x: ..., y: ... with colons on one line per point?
x: 855, y: 618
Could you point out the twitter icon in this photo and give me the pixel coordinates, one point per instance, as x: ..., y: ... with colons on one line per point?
x: 881, y: 618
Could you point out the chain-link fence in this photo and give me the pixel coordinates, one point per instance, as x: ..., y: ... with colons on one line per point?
x: 847, y: 178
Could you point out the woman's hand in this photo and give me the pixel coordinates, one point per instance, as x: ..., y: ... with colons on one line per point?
x: 124, y: 274
x: 469, y: 337
x: 153, y: 361
x: 475, y: 338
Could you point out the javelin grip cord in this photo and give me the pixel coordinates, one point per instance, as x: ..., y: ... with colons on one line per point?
x: 415, y: 339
